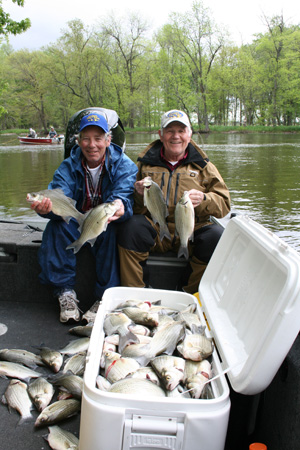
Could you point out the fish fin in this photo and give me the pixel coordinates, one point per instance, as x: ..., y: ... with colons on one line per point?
x: 127, y: 339
x: 183, y: 251
x: 25, y: 420
x: 164, y: 233
x: 92, y: 241
x: 67, y: 219
x: 80, y: 219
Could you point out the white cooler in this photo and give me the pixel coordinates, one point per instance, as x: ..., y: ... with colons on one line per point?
x: 250, y: 295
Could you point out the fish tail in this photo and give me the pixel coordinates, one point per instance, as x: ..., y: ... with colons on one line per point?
x: 76, y: 246
x: 25, y: 420
x: 127, y: 339
x: 183, y: 251
x: 164, y: 233
x: 80, y: 218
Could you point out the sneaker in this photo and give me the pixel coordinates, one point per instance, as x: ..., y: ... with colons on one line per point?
x: 90, y: 315
x: 68, y: 306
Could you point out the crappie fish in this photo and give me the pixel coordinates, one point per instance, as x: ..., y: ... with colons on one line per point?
x: 170, y: 370
x: 62, y: 205
x: 184, y: 223
x: 163, y: 341
x: 76, y: 364
x: 192, y: 321
x: 51, y: 358
x: 41, y: 392
x: 70, y: 382
x: 15, y: 370
x: 94, y: 224
x: 60, y: 439
x: 196, y: 347
x: 136, y: 387
x: 16, y: 397
x: 21, y: 357
x: 119, y: 323
x: 58, y: 411
x: 141, y: 317
x: 156, y: 205
x: 76, y: 346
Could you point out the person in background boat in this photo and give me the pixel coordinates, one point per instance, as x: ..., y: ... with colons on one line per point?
x: 177, y: 164
x: 32, y: 133
x: 52, y: 133
x: 97, y: 171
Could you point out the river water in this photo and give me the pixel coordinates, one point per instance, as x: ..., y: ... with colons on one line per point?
x: 261, y: 172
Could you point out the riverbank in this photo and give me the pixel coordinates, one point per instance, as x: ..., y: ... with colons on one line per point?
x: 295, y: 129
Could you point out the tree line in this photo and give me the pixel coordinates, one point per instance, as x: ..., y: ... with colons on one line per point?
x: 189, y: 63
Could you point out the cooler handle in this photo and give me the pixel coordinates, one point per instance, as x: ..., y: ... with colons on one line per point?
x: 146, y: 432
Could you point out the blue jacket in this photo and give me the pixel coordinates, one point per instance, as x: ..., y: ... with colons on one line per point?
x: 118, y: 180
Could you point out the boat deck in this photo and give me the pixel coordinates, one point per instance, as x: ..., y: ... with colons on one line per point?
x: 32, y: 319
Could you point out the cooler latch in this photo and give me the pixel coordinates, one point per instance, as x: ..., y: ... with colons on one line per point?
x: 146, y: 432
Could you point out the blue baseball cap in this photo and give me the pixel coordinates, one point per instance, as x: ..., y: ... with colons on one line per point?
x: 94, y: 119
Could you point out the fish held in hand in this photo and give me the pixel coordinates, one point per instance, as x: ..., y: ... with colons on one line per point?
x: 156, y: 205
x: 62, y: 205
x: 16, y: 397
x: 184, y: 223
x: 94, y: 224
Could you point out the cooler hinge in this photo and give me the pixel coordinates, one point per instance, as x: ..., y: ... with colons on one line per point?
x: 146, y: 432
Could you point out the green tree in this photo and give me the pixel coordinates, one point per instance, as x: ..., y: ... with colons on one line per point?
x: 10, y: 26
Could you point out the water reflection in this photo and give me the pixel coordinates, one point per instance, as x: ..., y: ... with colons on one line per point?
x: 261, y: 172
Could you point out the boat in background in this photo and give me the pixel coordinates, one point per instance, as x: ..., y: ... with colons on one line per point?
x: 40, y: 140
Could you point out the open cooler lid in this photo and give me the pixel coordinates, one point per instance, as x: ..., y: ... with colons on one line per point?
x: 250, y: 293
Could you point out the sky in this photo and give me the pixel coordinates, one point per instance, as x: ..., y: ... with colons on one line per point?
x: 50, y: 17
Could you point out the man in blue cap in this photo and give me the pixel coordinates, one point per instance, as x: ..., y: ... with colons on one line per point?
x: 97, y: 171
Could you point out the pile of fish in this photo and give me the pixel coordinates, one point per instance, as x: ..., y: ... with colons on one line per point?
x: 184, y: 215
x: 155, y: 350
x: 49, y: 382
x: 91, y: 224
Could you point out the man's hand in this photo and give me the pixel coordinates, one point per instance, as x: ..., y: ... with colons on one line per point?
x: 196, y: 197
x: 119, y: 213
x: 139, y: 186
x: 43, y: 207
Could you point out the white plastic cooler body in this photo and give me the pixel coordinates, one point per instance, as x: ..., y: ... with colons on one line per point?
x: 121, y: 422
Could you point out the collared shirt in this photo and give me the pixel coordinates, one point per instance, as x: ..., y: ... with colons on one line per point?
x: 170, y: 165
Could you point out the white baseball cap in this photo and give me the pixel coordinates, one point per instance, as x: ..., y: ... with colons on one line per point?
x: 175, y: 116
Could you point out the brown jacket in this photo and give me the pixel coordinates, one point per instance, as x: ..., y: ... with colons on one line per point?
x: 196, y: 172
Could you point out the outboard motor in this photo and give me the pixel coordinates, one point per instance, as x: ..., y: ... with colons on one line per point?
x: 114, y: 125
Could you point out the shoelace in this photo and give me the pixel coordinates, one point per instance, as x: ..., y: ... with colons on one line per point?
x: 67, y: 301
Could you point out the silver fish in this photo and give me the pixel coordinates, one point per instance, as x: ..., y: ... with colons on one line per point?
x: 76, y: 364
x: 62, y: 205
x: 156, y: 205
x: 120, y: 368
x: 15, y: 370
x: 192, y: 322
x: 136, y: 387
x: 146, y: 373
x: 139, y: 303
x: 170, y: 370
x: 184, y: 223
x: 41, y: 392
x: 70, y: 382
x: 82, y: 330
x: 141, y: 317
x: 102, y: 383
x: 164, y: 341
x: 58, y: 411
x: 197, y: 383
x: 196, y: 347
x: 76, y: 346
x: 19, y: 356
x: 119, y: 323
x: 178, y: 392
x: 94, y: 224
x: 60, y: 439
x: 52, y: 358
x: 16, y: 397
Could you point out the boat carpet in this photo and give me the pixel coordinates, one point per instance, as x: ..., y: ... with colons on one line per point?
x: 30, y: 325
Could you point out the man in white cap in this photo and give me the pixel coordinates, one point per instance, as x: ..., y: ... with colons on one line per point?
x: 97, y: 171
x: 177, y: 164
